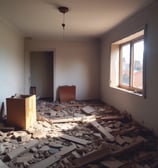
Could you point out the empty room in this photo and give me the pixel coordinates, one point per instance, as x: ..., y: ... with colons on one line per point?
x: 78, y: 84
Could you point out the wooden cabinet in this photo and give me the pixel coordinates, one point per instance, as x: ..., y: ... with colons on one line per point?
x: 67, y: 93
x: 21, y: 112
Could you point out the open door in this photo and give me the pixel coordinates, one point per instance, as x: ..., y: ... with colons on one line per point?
x: 42, y: 74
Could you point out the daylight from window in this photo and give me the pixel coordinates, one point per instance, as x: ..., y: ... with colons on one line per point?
x: 138, y: 65
x: 131, y: 66
x: 125, y: 68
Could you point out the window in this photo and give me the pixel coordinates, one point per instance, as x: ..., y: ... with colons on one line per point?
x: 127, y: 63
x: 131, y: 65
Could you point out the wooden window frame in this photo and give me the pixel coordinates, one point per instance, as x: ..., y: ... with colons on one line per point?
x: 131, y: 65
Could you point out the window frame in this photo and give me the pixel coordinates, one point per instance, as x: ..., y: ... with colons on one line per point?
x: 130, y: 87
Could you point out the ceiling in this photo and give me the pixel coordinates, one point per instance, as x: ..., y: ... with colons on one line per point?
x: 85, y: 19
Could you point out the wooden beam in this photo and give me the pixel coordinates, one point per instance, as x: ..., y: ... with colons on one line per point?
x: 54, y: 158
x: 127, y: 131
x: 97, y: 155
x: 75, y: 119
x: 140, y: 140
x: 104, y: 152
x: 117, y: 117
x: 103, y: 130
x: 74, y: 139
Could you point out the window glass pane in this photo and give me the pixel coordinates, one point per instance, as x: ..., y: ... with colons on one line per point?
x: 125, y: 64
x: 138, y: 64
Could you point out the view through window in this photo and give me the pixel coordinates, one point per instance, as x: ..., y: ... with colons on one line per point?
x: 131, y: 64
x: 127, y: 63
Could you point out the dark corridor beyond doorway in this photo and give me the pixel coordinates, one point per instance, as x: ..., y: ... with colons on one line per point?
x: 42, y: 73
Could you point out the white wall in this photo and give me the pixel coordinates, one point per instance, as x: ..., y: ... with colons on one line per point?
x: 143, y: 110
x: 11, y: 62
x: 75, y: 63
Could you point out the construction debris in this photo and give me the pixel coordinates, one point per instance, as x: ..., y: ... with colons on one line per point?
x: 88, y: 109
x: 104, y: 131
x: 87, y: 134
x: 54, y: 158
x: 112, y: 163
x: 3, y: 165
x: 21, y: 149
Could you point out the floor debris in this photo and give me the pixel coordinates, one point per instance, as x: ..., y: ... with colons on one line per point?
x: 87, y: 134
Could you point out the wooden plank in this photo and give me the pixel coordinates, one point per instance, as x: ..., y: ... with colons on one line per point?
x: 103, y: 130
x: 21, y: 149
x: 140, y: 140
x: 117, y: 117
x: 3, y: 165
x: 75, y: 119
x: 112, y: 163
x: 54, y: 158
x: 94, y: 156
x: 74, y: 139
x: 127, y: 131
x: 97, y: 155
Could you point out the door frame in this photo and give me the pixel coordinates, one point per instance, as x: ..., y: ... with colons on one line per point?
x: 54, y: 68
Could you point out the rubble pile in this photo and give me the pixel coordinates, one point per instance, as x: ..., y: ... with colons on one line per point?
x: 87, y: 134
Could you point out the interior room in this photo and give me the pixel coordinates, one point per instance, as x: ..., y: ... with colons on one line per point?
x: 82, y: 75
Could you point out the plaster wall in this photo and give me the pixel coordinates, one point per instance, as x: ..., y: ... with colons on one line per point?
x: 75, y: 63
x: 11, y: 62
x: 144, y: 110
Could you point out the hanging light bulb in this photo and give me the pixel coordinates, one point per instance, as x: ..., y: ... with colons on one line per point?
x: 63, y: 10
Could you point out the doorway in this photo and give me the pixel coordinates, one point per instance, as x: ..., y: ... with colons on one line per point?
x: 42, y: 75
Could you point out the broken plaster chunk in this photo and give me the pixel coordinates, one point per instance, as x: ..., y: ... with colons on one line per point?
x: 27, y: 157
x: 53, y: 113
x: 117, y: 124
x: 120, y: 140
x: 88, y: 109
x: 1, y: 139
x: 21, y: 136
x: 2, y: 148
x: 55, y: 145
x: 112, y: 163
x: 76, y: 154
x: 44, y: 148
x: 39, y: 134
x: 53, y: 158
x: 127, y: 139
x: 53, y: 150
x: 14, y: 153
x: 78, y: 134
x: 24, y: 138
x: 46, y: 124
x: 3, y: 165
x: 33, y: 150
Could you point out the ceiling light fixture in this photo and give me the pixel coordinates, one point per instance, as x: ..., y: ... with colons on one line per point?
x: 63, y: 10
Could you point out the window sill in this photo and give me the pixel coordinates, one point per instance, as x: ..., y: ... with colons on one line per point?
x: 127, y: 91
